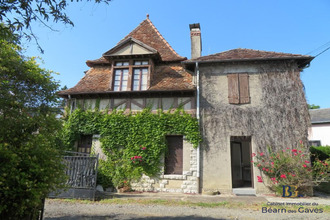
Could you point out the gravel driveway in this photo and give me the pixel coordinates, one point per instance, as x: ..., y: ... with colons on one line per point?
x: 62, y: 210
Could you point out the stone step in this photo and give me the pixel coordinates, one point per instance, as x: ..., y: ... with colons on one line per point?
x: 244, y: 191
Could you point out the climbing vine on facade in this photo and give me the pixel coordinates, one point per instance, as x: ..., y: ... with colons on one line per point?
x: 133, y: 143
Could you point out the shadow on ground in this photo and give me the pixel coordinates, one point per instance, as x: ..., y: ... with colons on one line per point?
x: 125, y: 217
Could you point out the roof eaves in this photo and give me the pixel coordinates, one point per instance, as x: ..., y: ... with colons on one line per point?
x: 321, y: 122
x: 61, y: 93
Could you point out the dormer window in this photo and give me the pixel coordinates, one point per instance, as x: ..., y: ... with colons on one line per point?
x: 131, y: 75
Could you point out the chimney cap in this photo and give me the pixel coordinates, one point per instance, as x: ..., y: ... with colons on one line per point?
x: 195, y: 25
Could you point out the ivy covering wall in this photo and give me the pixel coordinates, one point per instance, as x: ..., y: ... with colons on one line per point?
x: 133, y: 143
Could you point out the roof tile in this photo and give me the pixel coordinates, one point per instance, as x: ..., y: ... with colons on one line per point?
x: 167, y: 77
x: 247, y: 54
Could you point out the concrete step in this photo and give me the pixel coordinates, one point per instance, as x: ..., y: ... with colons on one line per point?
x: 244, y: 191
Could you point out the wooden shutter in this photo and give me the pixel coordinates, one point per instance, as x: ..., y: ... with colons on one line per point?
x: 244, y: 88
x: 174, y: 158
x: 233, y: 88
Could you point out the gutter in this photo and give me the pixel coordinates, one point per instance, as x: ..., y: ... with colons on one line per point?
x: 198, y: 119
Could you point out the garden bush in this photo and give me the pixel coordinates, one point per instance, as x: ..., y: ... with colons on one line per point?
x: 290, y: 167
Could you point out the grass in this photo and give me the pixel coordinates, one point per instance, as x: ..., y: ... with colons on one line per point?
x: 169, y: 202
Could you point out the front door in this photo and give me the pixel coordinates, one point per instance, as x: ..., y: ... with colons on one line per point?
x: 241, y: 167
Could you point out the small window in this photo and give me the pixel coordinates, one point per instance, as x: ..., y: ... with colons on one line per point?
x: 122, y: 63
x: 139, y: 62
x: 85, y: 144
x: 174, y: 157
x: 238, y: 88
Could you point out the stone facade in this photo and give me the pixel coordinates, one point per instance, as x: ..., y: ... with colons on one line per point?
x: 185, y: 183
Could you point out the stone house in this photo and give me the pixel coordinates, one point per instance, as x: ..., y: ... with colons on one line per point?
x: 245, y: 100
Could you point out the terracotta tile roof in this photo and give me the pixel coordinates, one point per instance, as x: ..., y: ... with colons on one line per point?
x: 99, y: 61
x: 170, y: 77
x: 95, y: 80
x: 248, y: 54
x: 148, y: 34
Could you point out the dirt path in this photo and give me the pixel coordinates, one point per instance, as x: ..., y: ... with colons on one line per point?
x: 56, y: 209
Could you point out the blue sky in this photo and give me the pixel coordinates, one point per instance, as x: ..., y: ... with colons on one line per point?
x: 295, y: 26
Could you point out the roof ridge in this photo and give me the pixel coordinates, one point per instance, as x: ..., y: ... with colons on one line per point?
x: 263, y: 51
x: 161, y: 36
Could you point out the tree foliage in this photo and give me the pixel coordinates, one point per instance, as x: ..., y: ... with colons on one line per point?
x: 29, y: 161
x: 312, y: 106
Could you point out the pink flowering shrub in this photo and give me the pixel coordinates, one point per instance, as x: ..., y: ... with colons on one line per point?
x: 290, y: 167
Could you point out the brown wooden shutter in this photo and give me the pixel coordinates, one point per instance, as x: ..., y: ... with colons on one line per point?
x: 233, y: 88
x: 174, y: 158
x: 244, y: 88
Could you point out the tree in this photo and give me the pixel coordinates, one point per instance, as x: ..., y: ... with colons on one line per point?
x: 19, y: 14
x: 30, y: 164
x: 312, y: 106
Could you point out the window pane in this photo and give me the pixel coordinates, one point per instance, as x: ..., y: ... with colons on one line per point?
x: 116, y: 88
x: 124, y: 86
x: 117, y: 77
x: 125, y: 63
x: 137, y: 71
x: 136, y: 76
x: 118, y: 63
x: 135, y: 87
x: 137, y: 62
x: 144, y: 79
x: 145, y: 71
x: 145, y: 62
x: 117, y: 83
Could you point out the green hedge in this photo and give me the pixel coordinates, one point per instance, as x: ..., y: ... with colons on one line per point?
x: 321, y: 152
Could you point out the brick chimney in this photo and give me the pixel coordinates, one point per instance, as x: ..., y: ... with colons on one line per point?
x: 196, y: 40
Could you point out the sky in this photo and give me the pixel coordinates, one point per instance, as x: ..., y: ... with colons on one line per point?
x: 295, y: 26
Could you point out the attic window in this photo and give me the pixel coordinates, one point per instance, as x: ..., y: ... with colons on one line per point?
x: 238, y: 88
x: 131, y: 75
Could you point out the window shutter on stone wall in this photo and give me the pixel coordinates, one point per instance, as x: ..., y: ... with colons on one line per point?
x: 233, y: 88
x: 244, y: 88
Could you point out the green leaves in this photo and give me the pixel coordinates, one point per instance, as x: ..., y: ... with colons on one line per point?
x: 30, y: 165
x: 124, y: 137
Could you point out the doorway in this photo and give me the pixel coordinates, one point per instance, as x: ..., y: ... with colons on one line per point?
x: 241, y: 166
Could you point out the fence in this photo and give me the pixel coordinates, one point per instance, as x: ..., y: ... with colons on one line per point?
x: 82, y: 173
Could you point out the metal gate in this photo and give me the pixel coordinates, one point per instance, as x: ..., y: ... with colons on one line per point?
x: 81, y: 170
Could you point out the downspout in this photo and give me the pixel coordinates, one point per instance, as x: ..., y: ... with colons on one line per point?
x: 198, y: 119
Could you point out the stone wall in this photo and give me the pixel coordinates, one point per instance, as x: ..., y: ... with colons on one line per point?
x: 185, y: 183
x: 276, y: 116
